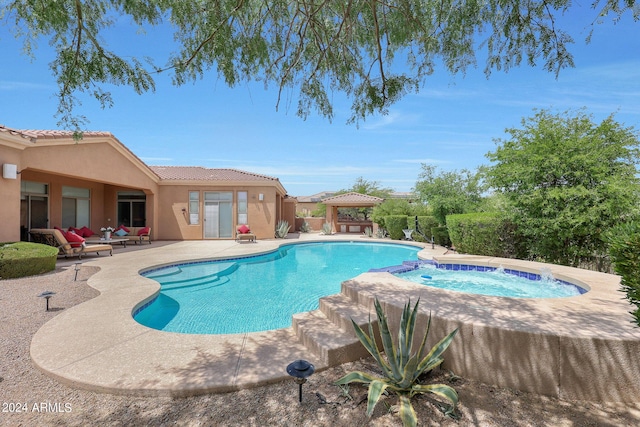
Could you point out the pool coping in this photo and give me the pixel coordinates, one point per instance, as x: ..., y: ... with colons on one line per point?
x: 98, y: 346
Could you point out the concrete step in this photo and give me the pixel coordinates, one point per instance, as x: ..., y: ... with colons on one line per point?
x: 333, y: 345
x: 340, y: 310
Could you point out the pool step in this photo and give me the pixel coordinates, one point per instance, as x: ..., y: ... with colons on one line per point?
x: 340, y: 309
x: 328, y: 331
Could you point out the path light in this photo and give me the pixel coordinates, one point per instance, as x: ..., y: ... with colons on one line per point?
x: 76, y: 267
x: 300, y: 370
x: 46, y: 295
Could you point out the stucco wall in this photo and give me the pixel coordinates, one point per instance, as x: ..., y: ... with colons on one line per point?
x: 10, y: 197
x: 173, y: 221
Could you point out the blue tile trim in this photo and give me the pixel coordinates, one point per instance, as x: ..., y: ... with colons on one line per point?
x: 145, y: 305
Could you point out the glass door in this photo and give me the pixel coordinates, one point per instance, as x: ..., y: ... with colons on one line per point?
x: 218, y: 215
x: 34, y: 207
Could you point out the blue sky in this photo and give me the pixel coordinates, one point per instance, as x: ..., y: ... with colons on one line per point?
x: 451, y: 123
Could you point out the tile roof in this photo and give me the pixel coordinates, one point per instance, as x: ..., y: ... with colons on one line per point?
x: 23, y: 133
x: 60, y: 134
x: 315, y: 198
x: 197, y: 173
x: 352, y: 198
x: 184, y: 173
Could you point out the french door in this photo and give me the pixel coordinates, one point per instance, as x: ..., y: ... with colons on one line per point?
x: 218, y: 215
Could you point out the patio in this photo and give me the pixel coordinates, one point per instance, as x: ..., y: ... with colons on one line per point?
x: 98, y: 346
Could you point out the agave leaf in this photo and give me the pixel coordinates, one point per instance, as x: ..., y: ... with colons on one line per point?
x: 424, y: 339
x: 356, y: 377
x: 407, y: 413
x: 442, y: 390
x: 436, y: 352
x: 387, y: 342
x: 405, y: 333
x: 433, y: 363
x: 409, y: 374
x: 376, y: 388
x: 370, y: 345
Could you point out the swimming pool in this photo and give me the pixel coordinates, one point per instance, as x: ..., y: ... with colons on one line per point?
x: 492, y: 281
x: 262, y: 292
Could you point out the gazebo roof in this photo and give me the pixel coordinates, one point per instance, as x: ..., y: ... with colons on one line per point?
x: 352, y: 200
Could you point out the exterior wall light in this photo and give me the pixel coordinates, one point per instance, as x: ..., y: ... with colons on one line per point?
x: 10, y: 171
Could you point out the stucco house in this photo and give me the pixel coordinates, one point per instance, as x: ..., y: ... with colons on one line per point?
x: 49, y: 179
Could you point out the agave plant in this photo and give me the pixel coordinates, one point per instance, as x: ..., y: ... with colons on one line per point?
x: 401, y: 367
x: 326, y: 228
x: 282, y: 229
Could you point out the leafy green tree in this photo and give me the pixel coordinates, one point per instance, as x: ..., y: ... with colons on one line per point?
x: 370, y: 188
x: 355, y: 47
x: 449, y: 192
x: 569, y: 180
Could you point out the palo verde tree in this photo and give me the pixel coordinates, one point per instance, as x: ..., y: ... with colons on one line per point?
x: 449, y: 192
x: 373, y: 51
x: 569, y: 181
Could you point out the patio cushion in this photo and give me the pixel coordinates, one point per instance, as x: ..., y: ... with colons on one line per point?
x: 122, y: 227
x: 144, y: 230
x: 120, y: 232
x: 243, y: 229
x: 86, y: 232
x: 74, y: 239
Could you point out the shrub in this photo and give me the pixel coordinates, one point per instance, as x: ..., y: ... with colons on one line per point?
x: 368, y: 231
x: 305, y: 227
x: 282, y: 229
x: 401, y: 366
x: 22, y: 259
x: 425, y: 225
x: 624, y: 249
x: 483, y: 233
x: 441, y: 236
x: 394, y: 224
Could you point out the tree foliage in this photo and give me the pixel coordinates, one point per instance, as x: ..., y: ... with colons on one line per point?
x: 370, y: 188
x: 363, y: 186
x: 449, y: 192
x: 356, y: 47
x: 569, y: 180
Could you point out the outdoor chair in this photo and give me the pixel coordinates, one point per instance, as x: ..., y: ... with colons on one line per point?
x: 55, y: 238
x: 243, y: 232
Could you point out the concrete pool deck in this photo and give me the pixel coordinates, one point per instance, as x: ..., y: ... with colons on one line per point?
x: 581, y: 347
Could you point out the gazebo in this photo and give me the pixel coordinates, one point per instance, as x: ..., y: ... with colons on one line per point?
x: 349, y: 200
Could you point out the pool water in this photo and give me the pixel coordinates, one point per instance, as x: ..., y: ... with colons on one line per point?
x: 262, y: 292
x: 495, y: 283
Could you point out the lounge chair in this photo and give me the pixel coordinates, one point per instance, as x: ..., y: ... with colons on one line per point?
x: 55, y: 238
x: 243, y: 232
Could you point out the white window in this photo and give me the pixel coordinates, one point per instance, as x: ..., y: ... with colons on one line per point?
x: 194, y: 207
x: 242, y: 208
x: 75, y: 207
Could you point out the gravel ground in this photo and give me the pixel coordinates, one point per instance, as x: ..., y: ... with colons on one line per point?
x: 31, y: 398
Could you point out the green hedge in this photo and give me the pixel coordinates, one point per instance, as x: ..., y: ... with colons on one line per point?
x: 22, y: 259
x: 394, y: 225
x: 441, y: 236
x: 624, y: 249
x: 485, y: 233
x: 425, y: 225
